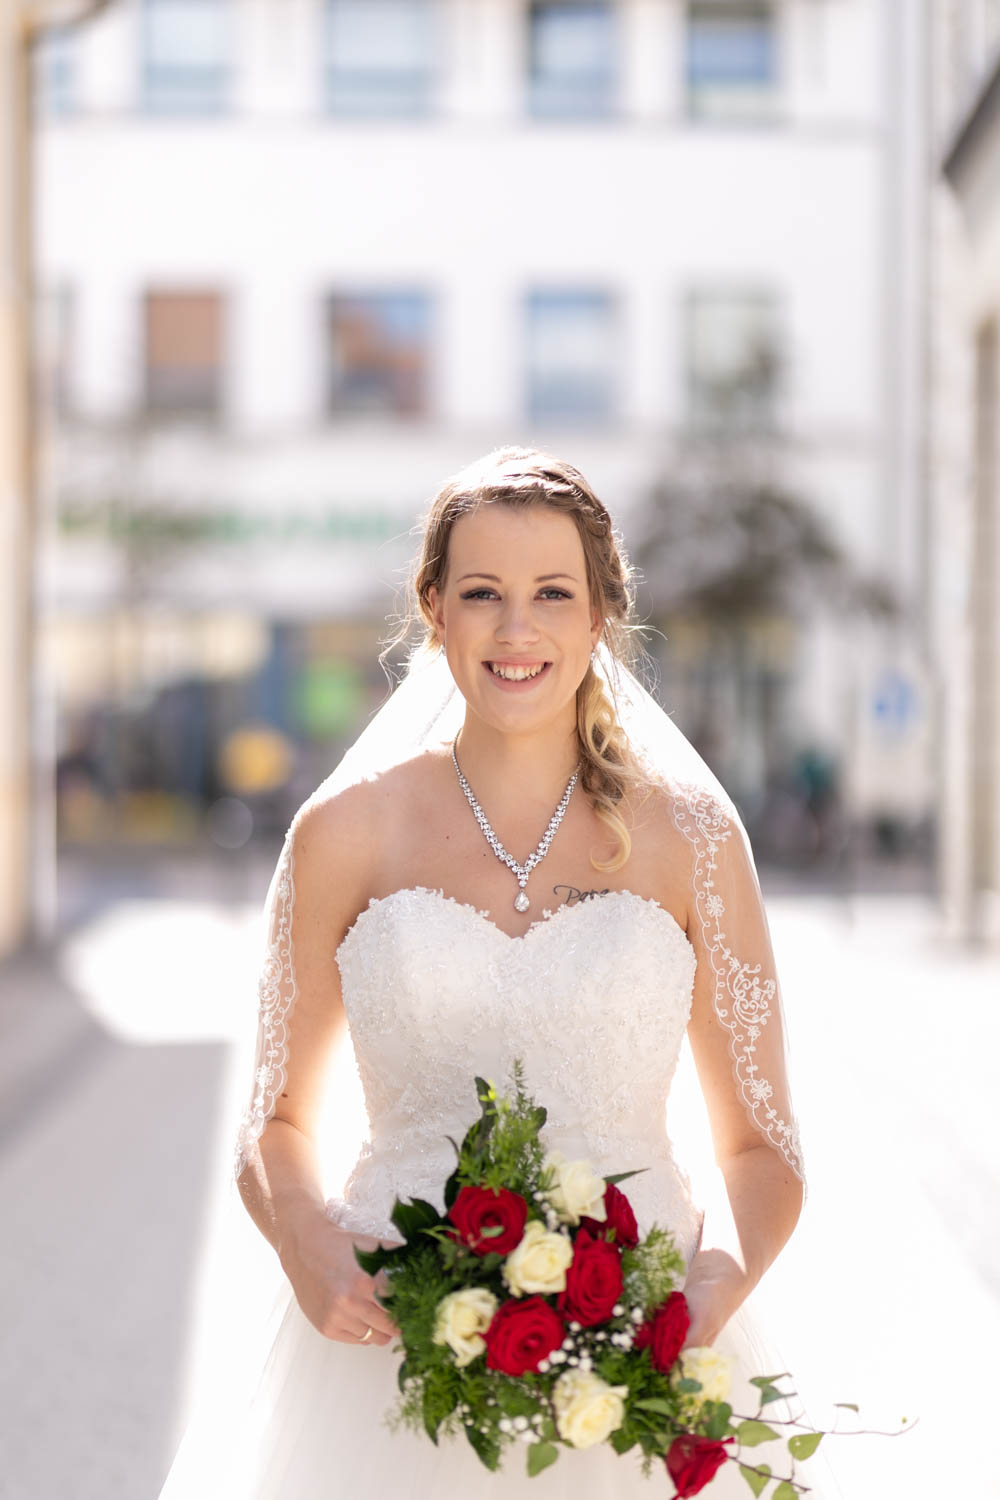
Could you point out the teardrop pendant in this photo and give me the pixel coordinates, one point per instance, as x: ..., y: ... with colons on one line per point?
x: 521, y: 902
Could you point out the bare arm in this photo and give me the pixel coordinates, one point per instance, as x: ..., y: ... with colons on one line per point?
x: 281, y: 1184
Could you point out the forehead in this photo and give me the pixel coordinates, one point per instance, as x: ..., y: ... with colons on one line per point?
x: 518, y: 537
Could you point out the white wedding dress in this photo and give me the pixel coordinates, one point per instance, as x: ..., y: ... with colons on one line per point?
x: 595, y: 998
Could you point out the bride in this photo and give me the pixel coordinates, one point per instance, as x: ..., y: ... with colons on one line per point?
x: 521, y: 855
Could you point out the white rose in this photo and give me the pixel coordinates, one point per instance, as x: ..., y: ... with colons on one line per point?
x: 578, y: 1191
x: 587, y: 1408
x: 461, y: 1320
x: 714, y: 1370
x: 539, y: 1262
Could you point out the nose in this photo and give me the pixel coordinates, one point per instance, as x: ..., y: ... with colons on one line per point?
x: 516, y: 626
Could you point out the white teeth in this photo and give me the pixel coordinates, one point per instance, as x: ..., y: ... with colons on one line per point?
x: 515, y: 674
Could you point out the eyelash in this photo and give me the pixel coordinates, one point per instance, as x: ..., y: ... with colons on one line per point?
x: 477, y: 593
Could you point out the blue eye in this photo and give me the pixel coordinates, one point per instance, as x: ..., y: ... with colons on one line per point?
x: 486, y: 593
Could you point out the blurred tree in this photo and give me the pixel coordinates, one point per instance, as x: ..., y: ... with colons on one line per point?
x: 732, y: 565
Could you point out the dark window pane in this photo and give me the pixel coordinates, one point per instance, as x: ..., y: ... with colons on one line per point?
x: 572, y: 59
x: 186, y: 56
x: 183, y: 352
x: 731, y: 60
x: 570, y: 354
x: 379, y: 352
x: 379, y: 57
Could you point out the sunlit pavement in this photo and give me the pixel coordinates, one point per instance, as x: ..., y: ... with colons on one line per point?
x: 130, y: 1263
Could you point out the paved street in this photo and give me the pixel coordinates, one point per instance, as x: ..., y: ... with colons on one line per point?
x: 128, y: 1259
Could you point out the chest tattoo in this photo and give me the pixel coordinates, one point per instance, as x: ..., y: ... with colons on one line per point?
x: 573, y: 893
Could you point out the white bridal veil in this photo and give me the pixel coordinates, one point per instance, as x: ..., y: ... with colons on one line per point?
x: 737, y: 1003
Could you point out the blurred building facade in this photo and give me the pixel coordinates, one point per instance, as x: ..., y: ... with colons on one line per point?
x: 299, y: 260
x: 966, y: 489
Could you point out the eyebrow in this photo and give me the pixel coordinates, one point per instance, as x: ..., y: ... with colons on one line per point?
x: 542, y: 577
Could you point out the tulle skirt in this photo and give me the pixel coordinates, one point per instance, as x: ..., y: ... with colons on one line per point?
x: 309, y: 1425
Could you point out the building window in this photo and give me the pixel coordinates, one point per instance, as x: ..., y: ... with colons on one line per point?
x: 379, y: 57
x: 378, y: 353
x: 54, y: 71
x: 53, y: 349
x: 572, y: 56
x: 570, y: 338
x: 184, y: 339
x: 731, y: 60
x: 733, y: 358
x: 186, y: 51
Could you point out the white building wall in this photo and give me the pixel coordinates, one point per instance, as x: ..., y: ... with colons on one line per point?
x: 277, y: 203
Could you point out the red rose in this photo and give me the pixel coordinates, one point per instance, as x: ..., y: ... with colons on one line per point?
x: 479, y: 1208
x: 693, y: 1460
x: 620, y: 1218
x: 521, y: 1334
x: 593, y: 1281
x: 666, y: 1333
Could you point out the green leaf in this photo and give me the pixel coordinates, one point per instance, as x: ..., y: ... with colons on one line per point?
x: 617, y: 1177
x: 851, y: 1406
x: 540, y: 1455
x: 785, y: 1491
x: 620, y: 1440
x: 804, y: 1443
x: 756, y: 1481
x: 688, y: 1386
x: 773, y: 1394
x: 655, y: 1403
x: 410, y: 1218
x: 717, y: 1423
x: 485, y: 1447
x: 751, y: 1433
x: 763, y: 1380
x: 401, y: 1375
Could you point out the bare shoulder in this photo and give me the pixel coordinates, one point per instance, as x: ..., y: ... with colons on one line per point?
x: 339, y: 837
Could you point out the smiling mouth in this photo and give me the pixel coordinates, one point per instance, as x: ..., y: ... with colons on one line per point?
x: 516, y: 672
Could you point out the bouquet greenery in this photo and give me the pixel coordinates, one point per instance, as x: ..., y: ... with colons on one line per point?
x: 532, y: 1312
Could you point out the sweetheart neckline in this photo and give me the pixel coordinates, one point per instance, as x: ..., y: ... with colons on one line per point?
x: 546, y: 920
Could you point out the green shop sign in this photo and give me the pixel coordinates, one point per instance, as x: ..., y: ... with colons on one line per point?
x: 158, y: 524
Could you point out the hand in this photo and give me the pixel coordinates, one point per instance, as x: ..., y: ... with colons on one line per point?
x: 335, y: 1294
x: 714, y: 1287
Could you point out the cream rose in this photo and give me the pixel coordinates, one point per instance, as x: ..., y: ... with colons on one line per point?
x: 578, y: 1191
x: 587, y: 1408
x: 539, y: 1262
x: 714, y: 1370
x: 461, y: 1320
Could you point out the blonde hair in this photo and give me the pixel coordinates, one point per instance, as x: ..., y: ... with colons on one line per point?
x: 517, y: 476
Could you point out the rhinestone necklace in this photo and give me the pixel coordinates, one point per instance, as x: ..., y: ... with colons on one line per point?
x: 521, y: 902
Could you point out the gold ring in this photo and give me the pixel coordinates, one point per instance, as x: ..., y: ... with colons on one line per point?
x: 365, y: 1336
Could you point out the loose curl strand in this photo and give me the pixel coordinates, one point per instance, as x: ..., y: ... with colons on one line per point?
x: 521, y: 476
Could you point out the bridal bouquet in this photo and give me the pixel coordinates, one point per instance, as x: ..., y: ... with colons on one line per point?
x: 532, y: 1312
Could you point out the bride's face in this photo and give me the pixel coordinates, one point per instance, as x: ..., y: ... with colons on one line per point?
x: 514, y: 613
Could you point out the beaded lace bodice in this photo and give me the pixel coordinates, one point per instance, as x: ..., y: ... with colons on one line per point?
x: 595, y: 997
